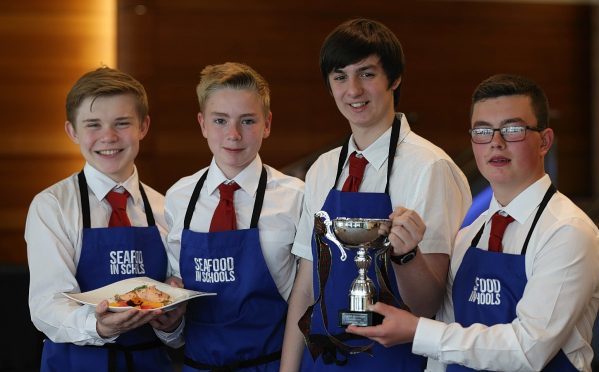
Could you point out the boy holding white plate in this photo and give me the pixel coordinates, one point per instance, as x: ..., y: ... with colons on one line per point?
x: 95, y: 228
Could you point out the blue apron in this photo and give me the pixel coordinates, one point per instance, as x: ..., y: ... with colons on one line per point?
x: 488, y: 286
x: 241, y: 328
x: 335, y: 294
x: 140, y: 252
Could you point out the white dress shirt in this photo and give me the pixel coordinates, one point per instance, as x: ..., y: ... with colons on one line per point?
x: 54, y: 231
x: 423, y: 178
x: 277, y: 223
x: 560, y: 300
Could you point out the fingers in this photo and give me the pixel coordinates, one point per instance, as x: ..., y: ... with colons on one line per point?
x: 407, y: 230
x: 175, y: 282
x: 110, y: 324
x: 169, y: 321
x: 398, y: 326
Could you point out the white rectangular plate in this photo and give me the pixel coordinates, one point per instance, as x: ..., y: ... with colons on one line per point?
x: 96, y: 296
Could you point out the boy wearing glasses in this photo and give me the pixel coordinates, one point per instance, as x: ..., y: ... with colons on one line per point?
x: 523, y: 290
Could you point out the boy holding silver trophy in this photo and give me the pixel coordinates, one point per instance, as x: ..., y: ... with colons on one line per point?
x: 380, y: 171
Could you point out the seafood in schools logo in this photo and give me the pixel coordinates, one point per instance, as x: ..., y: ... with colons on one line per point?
x: 486, y: 291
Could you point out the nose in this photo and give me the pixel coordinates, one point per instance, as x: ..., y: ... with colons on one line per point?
x: 109, y: 135
x: 497, y: 140
x: 233, y: 132
x: 354, y: 88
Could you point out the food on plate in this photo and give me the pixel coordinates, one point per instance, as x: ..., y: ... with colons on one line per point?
x: 142, y: 297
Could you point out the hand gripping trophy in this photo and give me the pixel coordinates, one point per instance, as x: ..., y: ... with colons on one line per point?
x: 362, y: 235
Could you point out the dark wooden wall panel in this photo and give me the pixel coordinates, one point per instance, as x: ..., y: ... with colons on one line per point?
x: 46, y: 46
x: 450, y: 47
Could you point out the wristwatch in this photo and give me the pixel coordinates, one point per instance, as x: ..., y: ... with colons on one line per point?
x: 403, y: 259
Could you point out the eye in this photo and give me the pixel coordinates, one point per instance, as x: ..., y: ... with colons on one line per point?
x: 366, y: 74
x: 482, y: 131
x: 249, y: 121
x: 339, y: 77
x: 219, y: 121
x: 123, y: 124
x: 513, y: 130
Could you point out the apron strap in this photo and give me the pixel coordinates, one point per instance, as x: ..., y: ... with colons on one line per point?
x: 257, y: 203
x: 193, y: 200
x: 259, y: 199
x: 85, y: 209
x: 234, y: 366
x: 147, y: 206
x: 314, y: 342
x: 114, y: 349
x: 550, y: 191
x: 395, y: 129
x: 392, y: 148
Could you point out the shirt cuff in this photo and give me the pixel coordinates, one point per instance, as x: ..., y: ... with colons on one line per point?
x: 92, y: 330
x: 173, y: 339
x: 427, y: 340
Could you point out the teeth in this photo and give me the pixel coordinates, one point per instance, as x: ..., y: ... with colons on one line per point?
x: 358, y: 104
x: 108, y: 152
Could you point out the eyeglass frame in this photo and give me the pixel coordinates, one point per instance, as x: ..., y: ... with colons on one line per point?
x: 500, y: 130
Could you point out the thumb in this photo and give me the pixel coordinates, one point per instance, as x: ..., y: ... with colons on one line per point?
x: 102, y: 307
x: 381, y: 308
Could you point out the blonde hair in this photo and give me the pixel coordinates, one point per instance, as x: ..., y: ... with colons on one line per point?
x: 232, y: 75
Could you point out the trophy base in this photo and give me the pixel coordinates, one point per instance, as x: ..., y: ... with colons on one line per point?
x: 359, y: 318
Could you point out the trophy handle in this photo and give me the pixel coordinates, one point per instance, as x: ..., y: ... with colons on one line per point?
x: 324, y: 217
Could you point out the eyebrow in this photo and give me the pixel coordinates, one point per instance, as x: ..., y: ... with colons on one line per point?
x: 223, y: 114
x: 360, y: 69
x: 482, y: 123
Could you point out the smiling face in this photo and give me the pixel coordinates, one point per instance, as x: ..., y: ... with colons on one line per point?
x: 363, y: 95
x: 108, y: 130
x: 510, y: 167
x: 234, y: 123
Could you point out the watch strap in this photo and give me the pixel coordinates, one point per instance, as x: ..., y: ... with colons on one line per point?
x: 403, y: 259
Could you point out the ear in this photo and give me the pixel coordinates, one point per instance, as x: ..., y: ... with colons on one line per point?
x: 202, y: 123
x: 396, y: 83
x: 267, y: 124
x: 144, y: 127
x: 547, y: 137
x: 71, y: 131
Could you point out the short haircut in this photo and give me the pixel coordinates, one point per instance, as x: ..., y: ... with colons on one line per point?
x: 232, y: 75
x: 357, y: 39
x: 513, y: 85
x: 105, y: 81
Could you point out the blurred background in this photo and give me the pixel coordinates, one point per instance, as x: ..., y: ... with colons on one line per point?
x: 450, y: 47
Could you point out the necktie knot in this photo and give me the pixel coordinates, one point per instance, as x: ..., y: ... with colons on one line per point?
x: 118, y: 203
x: 499, y: 223
x: 223, y: 218
x: 228, y: 190
x: 357, y: 165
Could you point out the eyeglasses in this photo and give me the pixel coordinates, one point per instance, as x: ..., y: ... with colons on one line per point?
x: 514, y: 133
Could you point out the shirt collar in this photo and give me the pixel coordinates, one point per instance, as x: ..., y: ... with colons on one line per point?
x: 378, y: 151
x: 100, y: 184
x: 247, y: 179
x: 525, y: 203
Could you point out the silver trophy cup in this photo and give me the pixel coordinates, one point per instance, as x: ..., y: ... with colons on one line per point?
x: 362, y: 235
